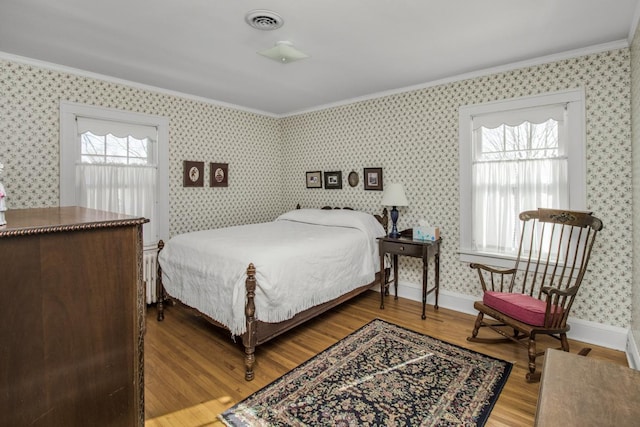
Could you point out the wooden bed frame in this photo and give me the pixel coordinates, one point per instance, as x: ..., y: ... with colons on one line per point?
x: 259, y: 332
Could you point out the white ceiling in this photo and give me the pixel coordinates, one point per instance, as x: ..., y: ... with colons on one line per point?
x: 357, y: 47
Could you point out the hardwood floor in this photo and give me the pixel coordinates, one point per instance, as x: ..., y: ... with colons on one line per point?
x: 193, y: 370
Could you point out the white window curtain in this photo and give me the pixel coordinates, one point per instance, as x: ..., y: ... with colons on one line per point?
x: 517, y: 154
x: 516, y: 117
x: 126, y: 189
x: 115, y: 128
x: 123, y: 189
x: 516, y: 173
x: 504, y: 189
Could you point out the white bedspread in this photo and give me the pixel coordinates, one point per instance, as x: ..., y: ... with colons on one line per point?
x: 302, y: 259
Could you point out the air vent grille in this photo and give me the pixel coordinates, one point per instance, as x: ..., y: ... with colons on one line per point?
x: 264, y: 20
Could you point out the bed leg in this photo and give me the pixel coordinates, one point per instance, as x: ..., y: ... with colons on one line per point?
x: 160, y: 295
x: 160, y: 309
x: 249, y: 359
x: 249, y: 338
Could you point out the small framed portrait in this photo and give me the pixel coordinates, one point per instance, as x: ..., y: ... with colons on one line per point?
x: 219, y: 175
x: 333, y: 180
x: 373, y: 179
x: 353, y: 178
x: 314, y: 179
x: 193, y: 174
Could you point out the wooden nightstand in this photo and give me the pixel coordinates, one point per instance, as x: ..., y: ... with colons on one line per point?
x: 405, y: 245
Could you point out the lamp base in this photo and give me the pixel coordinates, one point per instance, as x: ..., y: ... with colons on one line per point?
x: 394, y: 219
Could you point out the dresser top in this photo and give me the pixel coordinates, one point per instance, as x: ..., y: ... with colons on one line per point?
x: 22, y: 222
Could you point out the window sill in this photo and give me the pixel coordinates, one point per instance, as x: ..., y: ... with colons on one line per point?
x: 486, y: 258
x: 497, y: 260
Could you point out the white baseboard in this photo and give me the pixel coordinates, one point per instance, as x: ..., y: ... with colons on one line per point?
x: 608, y: 336
x: 633, y: 355
x: 613, y: 337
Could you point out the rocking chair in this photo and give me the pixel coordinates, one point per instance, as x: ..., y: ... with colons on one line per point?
x: 535, y: 297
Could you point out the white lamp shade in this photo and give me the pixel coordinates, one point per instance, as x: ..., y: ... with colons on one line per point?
x: 393, y: 195
x: 283, y: 52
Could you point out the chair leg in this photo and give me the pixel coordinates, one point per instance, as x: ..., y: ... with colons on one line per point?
x: 565, y: 346
x: 532, y: 375
x: 477, y: 325
x: 584, y: 351
x: 565, y: 342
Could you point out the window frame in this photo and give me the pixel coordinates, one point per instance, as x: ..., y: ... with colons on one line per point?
x: 575, y: 149
x: 70, y: 152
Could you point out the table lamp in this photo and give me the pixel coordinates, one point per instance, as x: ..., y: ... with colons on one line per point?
x: 393, y: 195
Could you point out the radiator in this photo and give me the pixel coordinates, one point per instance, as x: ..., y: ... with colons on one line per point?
x: 150, y: 273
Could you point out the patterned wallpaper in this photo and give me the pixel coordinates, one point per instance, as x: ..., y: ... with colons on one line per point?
x: 250, y: 143
x: 635, y: 132
x: 413, y: 136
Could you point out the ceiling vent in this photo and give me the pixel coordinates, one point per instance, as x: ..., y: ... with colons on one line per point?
x: 264, y: 20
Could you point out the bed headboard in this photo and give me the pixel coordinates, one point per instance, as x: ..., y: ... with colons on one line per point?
x: 382, y: 219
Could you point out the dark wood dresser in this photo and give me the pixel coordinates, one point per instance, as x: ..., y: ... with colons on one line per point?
x: 71, y: 319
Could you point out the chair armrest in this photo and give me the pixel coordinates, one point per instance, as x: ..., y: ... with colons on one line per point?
x: 551, y: 291
x: 497, y: 283
x: 559, y: 303
x: 492, y: 269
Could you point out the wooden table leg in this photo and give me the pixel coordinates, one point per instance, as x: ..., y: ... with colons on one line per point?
x: 395, y: 274
x: 437, y: 263
x: 425, y: 264
x: 383, y: 280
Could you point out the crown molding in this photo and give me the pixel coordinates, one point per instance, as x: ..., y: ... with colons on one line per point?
x: 619, y: 44
x: 604, y: 47
x: 89, y: 74
x: 634, y: 24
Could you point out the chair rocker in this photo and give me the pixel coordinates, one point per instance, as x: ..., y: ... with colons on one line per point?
x: 535, y: 296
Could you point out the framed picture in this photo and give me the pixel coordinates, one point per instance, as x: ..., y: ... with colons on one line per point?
x: 373, y: 179
x: 193, y: 174
x: 314, y: 179
x: 333, y: 180
x: 353, y: 178
x: 219, y: 175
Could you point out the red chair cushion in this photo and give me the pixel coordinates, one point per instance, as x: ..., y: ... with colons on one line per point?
x: 520, y: 307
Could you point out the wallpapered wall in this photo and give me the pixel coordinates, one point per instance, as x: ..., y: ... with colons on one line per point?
x: 250, y: 143
x: 635, y: 132
x: 413, y: 136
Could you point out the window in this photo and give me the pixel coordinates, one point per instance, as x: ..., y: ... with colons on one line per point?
x: 116, y: 161
x: 110, y: 149
x: 517, y: 155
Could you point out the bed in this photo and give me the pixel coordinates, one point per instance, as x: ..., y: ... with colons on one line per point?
x: 260, y: 280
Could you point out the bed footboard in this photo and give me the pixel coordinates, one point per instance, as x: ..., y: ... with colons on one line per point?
x: 249, y: 338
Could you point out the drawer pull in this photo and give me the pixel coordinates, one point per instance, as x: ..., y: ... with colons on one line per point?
x: 402, y: 248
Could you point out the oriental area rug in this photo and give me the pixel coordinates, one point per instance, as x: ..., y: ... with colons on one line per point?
x: 380, y: 375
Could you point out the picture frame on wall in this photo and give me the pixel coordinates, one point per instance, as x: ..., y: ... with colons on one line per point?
x: 373, y: 179
x: 219, y: 175
x: 314, y: 179
x: 193, y: 174
x: 353, y: 178
x: 333, y: 180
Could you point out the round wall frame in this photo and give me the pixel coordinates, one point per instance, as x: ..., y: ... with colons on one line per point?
x: 353, y: 178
